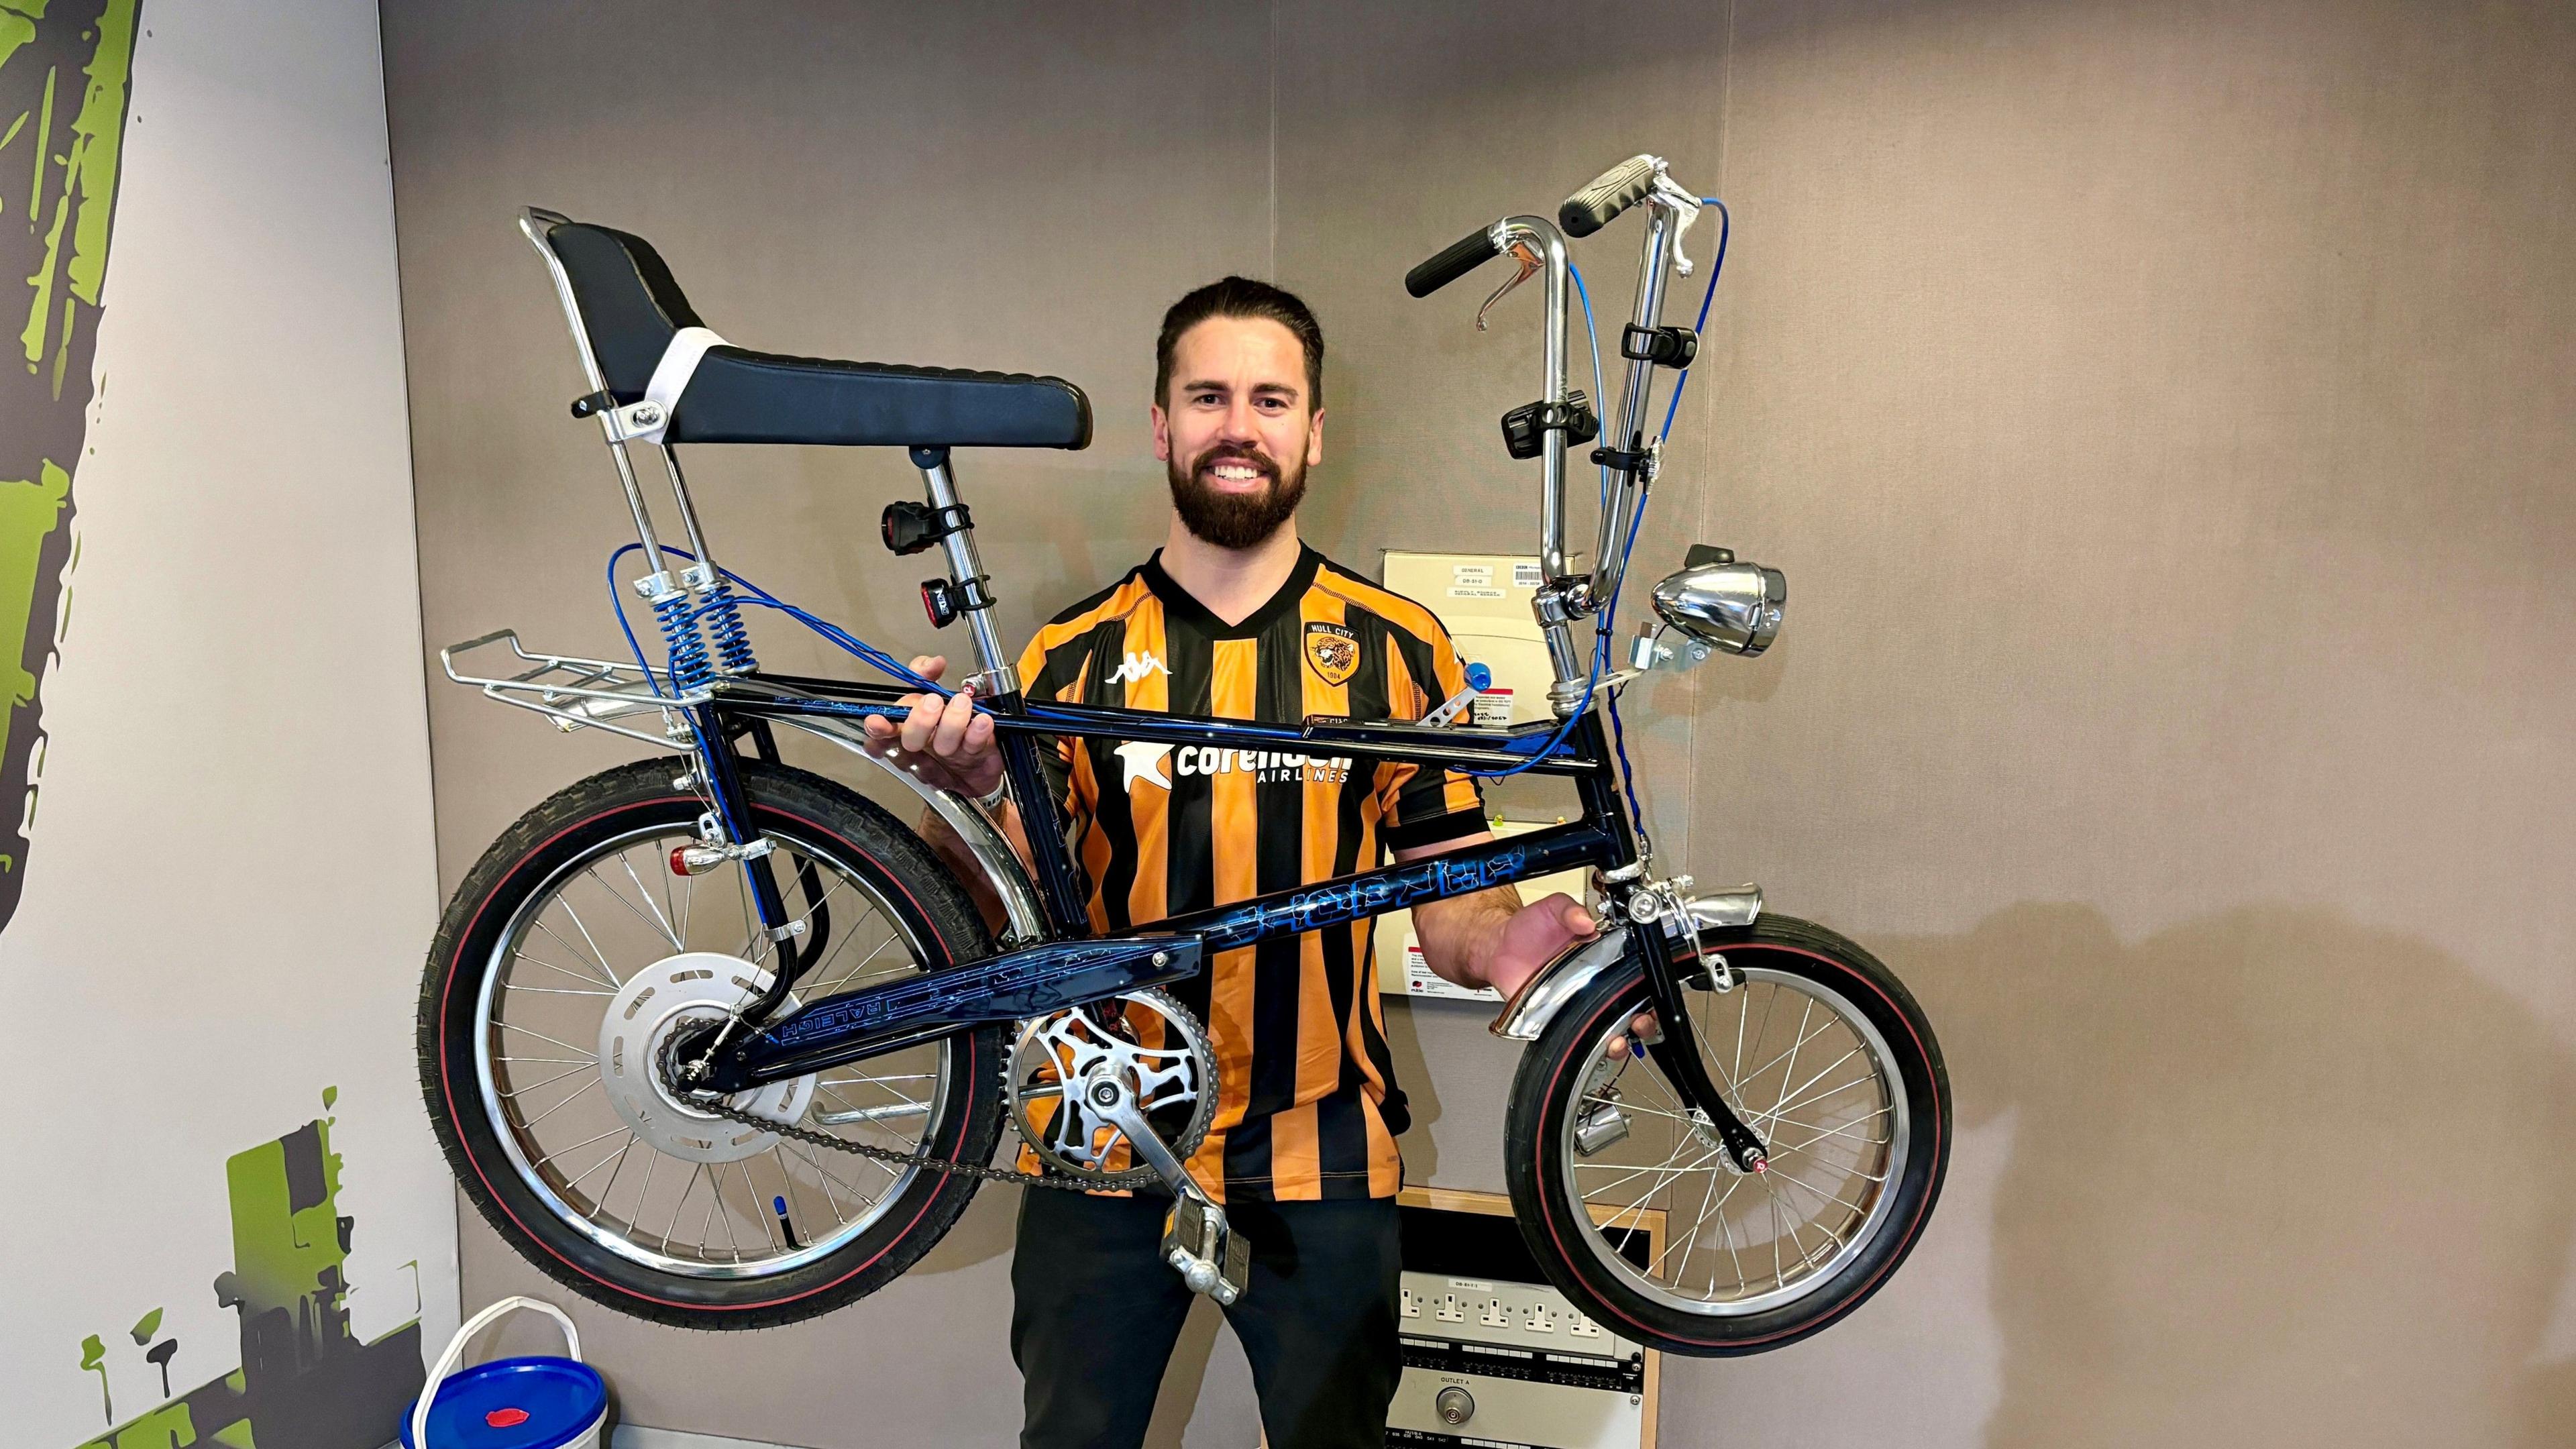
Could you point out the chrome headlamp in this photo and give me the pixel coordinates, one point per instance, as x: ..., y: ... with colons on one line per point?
x: 1722, y: 604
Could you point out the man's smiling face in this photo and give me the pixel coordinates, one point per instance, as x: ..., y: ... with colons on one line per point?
x: 1237, y: 430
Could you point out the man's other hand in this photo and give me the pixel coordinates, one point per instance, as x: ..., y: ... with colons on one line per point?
x: 944, y: 741
x: 1535, y: 935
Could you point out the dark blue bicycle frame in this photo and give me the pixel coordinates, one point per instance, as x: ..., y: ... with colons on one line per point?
x: 1071, y: 966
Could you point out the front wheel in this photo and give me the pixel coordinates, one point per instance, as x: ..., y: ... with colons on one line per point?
x: 1641, y: 1218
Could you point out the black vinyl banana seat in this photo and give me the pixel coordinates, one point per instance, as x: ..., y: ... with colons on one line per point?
x: 631, y: 307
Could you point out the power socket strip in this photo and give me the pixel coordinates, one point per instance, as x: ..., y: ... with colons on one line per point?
x: 1512, y: 1315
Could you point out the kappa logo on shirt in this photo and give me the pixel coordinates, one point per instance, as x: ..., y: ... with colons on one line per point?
x: 1136, y: 666
x: 1139, y: 760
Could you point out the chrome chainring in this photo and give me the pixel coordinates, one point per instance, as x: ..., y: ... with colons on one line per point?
x: 1058, y: 1058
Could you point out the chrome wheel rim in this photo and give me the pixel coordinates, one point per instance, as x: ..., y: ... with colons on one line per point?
x: 1814, y: 1078
x: 546, y: 986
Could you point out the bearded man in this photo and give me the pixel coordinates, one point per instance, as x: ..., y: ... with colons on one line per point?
x: 1235, y: 616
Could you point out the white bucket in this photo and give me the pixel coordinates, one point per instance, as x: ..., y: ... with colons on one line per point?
x: 511, y: 1403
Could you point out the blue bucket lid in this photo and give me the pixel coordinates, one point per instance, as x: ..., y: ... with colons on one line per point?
x: 514, y: 1403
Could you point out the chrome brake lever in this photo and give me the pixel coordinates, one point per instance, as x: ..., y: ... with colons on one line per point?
x: 1530, y: 265
x: 1673, y: 194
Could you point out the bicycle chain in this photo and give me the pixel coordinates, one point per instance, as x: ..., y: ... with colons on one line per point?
x: 980, y: 1171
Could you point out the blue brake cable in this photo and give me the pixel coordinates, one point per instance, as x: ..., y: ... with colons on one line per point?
x: 1699, y: 326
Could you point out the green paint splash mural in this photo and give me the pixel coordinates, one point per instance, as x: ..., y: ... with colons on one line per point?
x: 305, y: 1381
x: 65, y: 66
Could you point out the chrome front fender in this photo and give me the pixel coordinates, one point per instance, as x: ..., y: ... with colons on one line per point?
x: 1558, y: 982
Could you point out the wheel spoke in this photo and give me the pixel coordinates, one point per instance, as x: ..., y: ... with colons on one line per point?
x: 596, y: 954
x: 1706, y: 1157
x: 611, y: 1185
x: 548, y: 1082
x: 1788, y: 1176
x: 838, y: 981
x: 1778, y: 1149
x: 644, y: 1194
x: 695, y: 1169
x: 1686, y: 1244
x: 715, y: 1205
x: 1799, y: 1101
x: 551, y: 966
x: 559, y: 1106
x: 645, y: 911
x: 646, y: 896
x: 1727, y: 1235
x: 1679, y: 1148
x: 1790, y: 1051
x: 577, y: 1146
x: 829, y: 1176
x: 619, y: 1157
x: 591, y: 1057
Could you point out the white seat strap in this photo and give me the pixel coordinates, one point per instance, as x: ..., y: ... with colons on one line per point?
x: 648, y: 420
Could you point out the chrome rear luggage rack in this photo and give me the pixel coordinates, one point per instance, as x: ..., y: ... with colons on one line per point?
x: 578, y: 693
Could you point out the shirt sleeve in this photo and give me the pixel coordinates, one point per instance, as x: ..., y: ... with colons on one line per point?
x: 1425, y: 804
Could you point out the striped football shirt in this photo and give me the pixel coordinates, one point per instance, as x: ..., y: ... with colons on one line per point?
x: 1308, y: 1105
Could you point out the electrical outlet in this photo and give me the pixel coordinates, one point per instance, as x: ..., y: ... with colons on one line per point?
x: 1450, y: 1309
x: 1493, y: 1314
x: 1540, y: 1320
x: 1407, y: 1305
x: 1582, y: 1327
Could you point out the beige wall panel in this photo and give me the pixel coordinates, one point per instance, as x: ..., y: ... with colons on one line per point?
x: 2164, y: 417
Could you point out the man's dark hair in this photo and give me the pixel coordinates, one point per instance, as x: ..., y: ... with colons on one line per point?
x: 1241, y: 297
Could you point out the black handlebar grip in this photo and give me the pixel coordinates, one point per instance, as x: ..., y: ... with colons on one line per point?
x: 1610, y: 193
x: 1463, y: 256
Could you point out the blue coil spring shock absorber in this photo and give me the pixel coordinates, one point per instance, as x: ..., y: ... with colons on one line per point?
x: 725, y: 626
x: 688, y: 653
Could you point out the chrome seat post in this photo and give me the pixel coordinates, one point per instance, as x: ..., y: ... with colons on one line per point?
x: 966, y: 572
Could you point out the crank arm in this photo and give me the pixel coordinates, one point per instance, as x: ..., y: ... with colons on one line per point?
x: 1676, y: 1054
x: 1210, y: 1257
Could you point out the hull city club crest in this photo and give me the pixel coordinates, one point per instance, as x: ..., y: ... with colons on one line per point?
x: 1333, y: 651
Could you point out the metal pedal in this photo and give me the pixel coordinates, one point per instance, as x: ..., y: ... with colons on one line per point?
x: 1210, y: 1257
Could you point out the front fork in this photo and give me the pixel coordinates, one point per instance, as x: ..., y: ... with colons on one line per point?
x: 1675, y: 1052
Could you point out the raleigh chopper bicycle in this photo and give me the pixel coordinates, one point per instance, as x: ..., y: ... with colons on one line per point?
x: 718, y: 1042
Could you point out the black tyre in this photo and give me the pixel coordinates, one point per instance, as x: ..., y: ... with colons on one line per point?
x: 572, y: 949
x: 1639, y: 1218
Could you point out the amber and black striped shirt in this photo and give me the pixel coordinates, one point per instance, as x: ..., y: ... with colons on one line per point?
x: 1307, y: 1106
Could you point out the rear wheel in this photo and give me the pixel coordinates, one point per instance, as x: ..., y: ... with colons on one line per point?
x: 1640, y: 1216
x: 572, y: 952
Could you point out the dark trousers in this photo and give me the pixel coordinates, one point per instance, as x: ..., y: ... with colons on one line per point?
x: 1096, y: 1312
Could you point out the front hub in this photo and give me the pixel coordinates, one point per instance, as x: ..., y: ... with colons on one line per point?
x: 674, y: 994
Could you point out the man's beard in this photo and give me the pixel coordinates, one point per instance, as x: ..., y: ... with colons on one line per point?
x: 1235, y: 520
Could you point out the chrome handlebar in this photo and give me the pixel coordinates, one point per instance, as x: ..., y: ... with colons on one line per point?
x: 1671, y: 208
